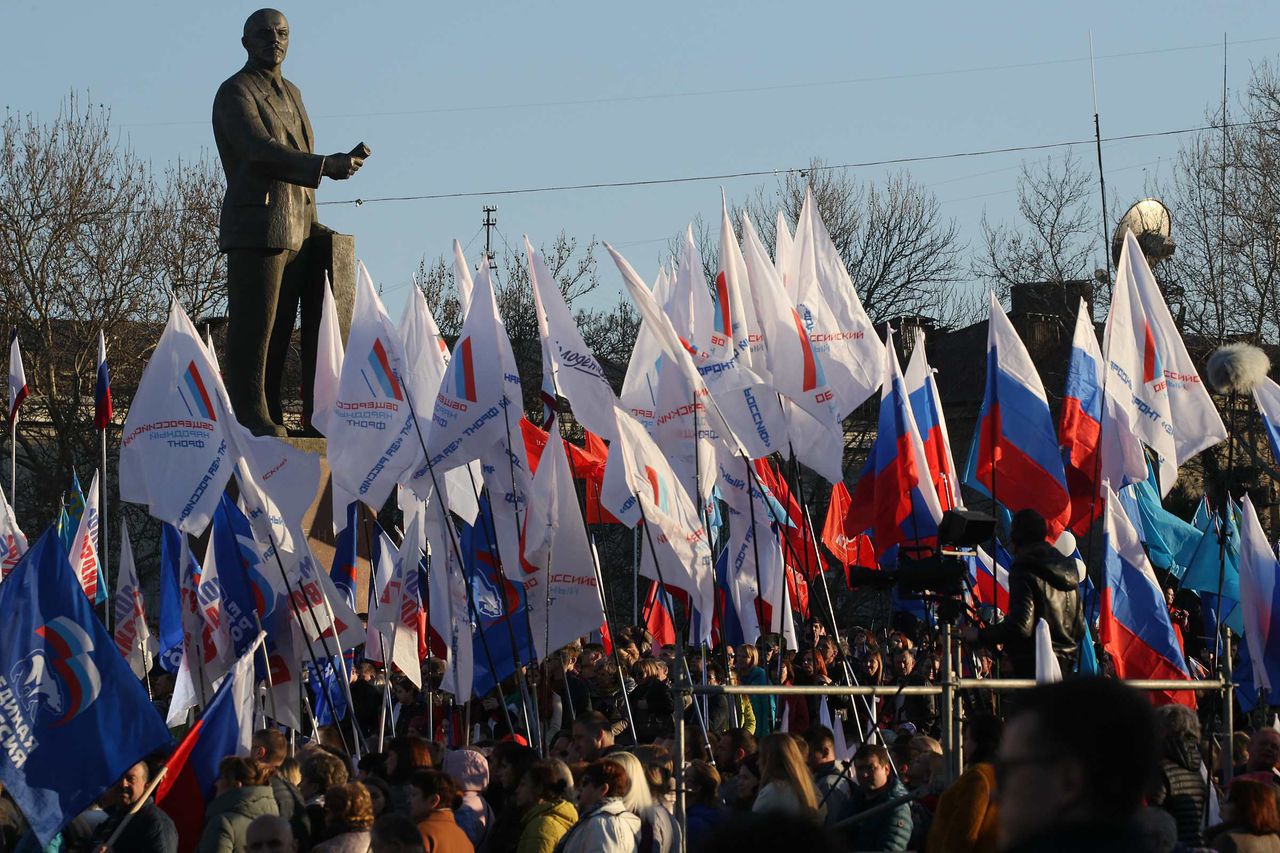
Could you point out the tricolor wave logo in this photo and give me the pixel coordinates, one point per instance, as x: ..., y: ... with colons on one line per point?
x: 813, y: 373
x: 380, y: 375
x: 196, y: 394
x: 61, y: 678
x: 464, y: 375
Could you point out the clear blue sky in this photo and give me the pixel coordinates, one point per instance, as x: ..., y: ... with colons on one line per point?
x: 459, y: 97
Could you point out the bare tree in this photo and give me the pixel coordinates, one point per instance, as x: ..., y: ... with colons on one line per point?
x: 1225, y: 199
x: 1057, y: 237
x: 609, y: 333
x: 901, y: 253
x: 90, y: 239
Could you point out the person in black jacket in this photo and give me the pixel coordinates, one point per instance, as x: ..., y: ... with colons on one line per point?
x: 1179, y: 790
x: 149, y: 830
x: 1043, y: 584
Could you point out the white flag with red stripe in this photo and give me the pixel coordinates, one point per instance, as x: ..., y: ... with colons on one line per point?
x: 84, y: 547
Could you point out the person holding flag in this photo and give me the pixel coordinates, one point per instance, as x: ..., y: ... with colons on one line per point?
x: 76, y: 720
x: 1042, y: 585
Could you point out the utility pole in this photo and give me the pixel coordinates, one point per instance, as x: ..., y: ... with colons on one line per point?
x: 490, y: 223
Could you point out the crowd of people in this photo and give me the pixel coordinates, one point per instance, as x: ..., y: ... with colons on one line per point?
x: 582, y: 752
x: 1086, y: 764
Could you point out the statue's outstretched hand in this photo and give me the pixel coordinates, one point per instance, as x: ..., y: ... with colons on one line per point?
x: 339, y: 167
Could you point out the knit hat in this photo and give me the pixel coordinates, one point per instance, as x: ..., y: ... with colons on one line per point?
x: 468, y: 768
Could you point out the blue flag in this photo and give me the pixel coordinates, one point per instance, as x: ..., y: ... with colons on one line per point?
x: 73, y: 718
x: 330, y: 700
x: 500, y: 609
x: 345, y: 557
x: 1205, y: 566
x: 170, y: 656
x: 239, y: 601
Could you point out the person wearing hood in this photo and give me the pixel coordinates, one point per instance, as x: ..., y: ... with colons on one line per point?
x: 546, y: 813
x: 1180, y: 790
x: 243, y: 795
x: 470, y: 771
x: 1043, y: 584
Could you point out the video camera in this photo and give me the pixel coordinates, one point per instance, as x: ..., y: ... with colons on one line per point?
x: 926, y: 570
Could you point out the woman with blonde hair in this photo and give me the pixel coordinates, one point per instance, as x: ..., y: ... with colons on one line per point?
x: 785, y: 783
x: 747, y: 664
x: 654, y: 817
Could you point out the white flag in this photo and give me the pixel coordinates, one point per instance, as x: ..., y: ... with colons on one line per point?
x: 84, y: 547
x: 677, y: 353
x: 1196, y: 422
x: 17, y: 378
x: 1258, y: 582
x: 578, y: 376
x: 373, y: 440
x: 562, y: 593
x: 784, y: 256
x: 290, y: 475
x: 426, y: 356
x: 794, y: 366
x: 133, y: 637
x: 480, y: 385
x: 839, y: 329
x: 638, y: 480
x: 329, y: 353
x: 449, y: 615
x: 1048, y: 669
x: 398, y: 615
x: 13, y: 543
x: 640, y: 386
x: 174, y: 453
x: 1137, y: 372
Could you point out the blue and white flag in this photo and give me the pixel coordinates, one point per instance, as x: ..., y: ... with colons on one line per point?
x: 73, y: 718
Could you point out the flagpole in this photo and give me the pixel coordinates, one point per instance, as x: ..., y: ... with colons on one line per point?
x: 595, y: 564
x: 526, y: 694
x: 13, y: 462
x: 457, y: 552
x: 102, y: 530
x: 297, y: 614
x: 490, y: 531
x: 755, y: 547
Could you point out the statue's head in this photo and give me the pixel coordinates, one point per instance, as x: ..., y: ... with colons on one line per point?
x: 266, y: 39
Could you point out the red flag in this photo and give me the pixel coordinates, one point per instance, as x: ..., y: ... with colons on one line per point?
x: 658, y: 620
x: 850, y: 547
x: 799, y: 552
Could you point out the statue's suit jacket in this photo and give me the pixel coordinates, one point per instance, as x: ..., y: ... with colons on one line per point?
x: 265, y: 142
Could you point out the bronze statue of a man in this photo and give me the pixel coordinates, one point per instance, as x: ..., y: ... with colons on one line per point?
x: 268, y: 228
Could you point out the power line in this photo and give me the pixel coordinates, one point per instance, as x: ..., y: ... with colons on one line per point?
x: 746, y: 90
x: 756, y: 173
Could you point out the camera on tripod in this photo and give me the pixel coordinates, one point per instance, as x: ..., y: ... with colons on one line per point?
x: 928, y: 571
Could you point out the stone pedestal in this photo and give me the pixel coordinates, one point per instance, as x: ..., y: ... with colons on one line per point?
x: 338, y: 254
x: 317, y: 523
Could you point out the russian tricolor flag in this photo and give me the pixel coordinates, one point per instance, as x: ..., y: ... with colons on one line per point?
x: 102, y: 389
x: 1267, y: 396
x: 658, y: 616
x: 1260, y: 601
x: 894, y: 498
x: 1080, y: 424
x: 1015, y: 442
x: 991, y: 578
x: 926, y: 407
x: 191, y: 773
x: 1135, y: 625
